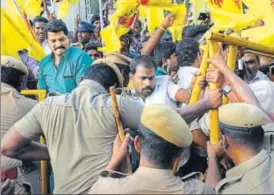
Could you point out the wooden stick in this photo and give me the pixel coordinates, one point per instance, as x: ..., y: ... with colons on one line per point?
x: 119, y: 123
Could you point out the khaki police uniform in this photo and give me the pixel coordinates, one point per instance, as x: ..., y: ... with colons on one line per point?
x: 256, y: 175
x: 14, y: 106
x: 79, y: 129
x: 167, y: 124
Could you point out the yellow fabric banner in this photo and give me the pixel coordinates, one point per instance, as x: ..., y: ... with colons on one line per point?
x: 15, y: 36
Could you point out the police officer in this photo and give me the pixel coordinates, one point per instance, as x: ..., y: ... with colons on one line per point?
x: 85, y: 31
x: 241, y: 126
x: 163, y: 135
x: 79, y: 128
x: 13, y: 107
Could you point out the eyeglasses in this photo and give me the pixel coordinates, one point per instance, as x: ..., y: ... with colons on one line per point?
x: 249, y: 62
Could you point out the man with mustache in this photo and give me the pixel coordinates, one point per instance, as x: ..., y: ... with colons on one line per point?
x: 61, y: 70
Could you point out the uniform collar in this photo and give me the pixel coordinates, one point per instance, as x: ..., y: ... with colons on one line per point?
x: 5, y: 88
x: 94, y: 85
x: 152, y: 172
x: 248, y: 165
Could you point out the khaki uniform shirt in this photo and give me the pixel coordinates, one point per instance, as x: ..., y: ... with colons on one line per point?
x: 79, y: 129
x: 255, y: 176
x: 149, y: 181
x: 13, y: 107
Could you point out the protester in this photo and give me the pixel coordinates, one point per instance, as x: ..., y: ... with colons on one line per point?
x: 243, y: 143
x: 158, y: 151
x: 61, y: 71
x: 92, y: 50
x: 252, y: 64
x: 13, y: 107
x: 135, y: 34
x: 39, y: 24
x: 162, y: 54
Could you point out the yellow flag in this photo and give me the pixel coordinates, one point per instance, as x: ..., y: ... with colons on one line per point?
x: 157, y: 3
x: 64, y: 7
x: 198, y: 6
x: 33, y: 7
x: 263, y: 35
x: 15, y: 36
x: 263, y: 9
x: 155, y: 17
x: 229, y: 15
x: 120, y: 23
x: 177, y: 28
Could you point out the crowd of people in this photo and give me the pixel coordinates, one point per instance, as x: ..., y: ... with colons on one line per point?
x: 154, y: 79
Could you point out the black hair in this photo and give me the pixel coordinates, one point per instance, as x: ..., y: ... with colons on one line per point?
x: 94, y: 18
x: 93, y: 46
x: 39, y: 19
x: 11, y: 77
x: 56, y: 26
x: 157, y: 151
x: 163, y: 50
x: 103, y: 75
x: 187, y: 51
x: 127, y: 39
x: 251, y: 138
x: 142, y: 60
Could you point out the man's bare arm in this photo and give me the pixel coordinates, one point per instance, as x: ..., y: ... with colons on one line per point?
x: 14, y: 145
x: 156, y: 36
x: 241, y: 91
x: 211, y: 100
x: 213, y: 175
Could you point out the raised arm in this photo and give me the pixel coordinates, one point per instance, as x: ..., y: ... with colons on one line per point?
x: 156, y: 36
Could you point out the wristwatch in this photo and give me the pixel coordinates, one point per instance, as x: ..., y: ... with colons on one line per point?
x: 227, y: 89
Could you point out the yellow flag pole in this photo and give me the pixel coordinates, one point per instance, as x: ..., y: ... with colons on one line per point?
x: 203, y: 68
x: 41, y: 95
x: 215, y: 134
x: 231, y: 60
x: 25, y: 18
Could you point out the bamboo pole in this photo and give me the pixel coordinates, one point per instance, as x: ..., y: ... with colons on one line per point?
x: 231, y: 60
x: 25, y: 18
x: 232, y: 40
x: 119, y: 123
x: 41, y: 95
x: 196, y: 88
x: 213, y: 114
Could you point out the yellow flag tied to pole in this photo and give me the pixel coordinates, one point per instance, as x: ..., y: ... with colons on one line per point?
x: 120, y: 23
x: 124, y: 16
x: 15, y: 36
x: 228, y: 14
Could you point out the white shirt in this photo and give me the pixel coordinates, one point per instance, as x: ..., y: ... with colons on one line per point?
x: 164, y: 92
x: 185, y: 75
x: 259, y: 77
x: 45, y: 47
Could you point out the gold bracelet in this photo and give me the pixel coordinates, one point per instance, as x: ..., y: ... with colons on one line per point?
x: 163, y: 29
